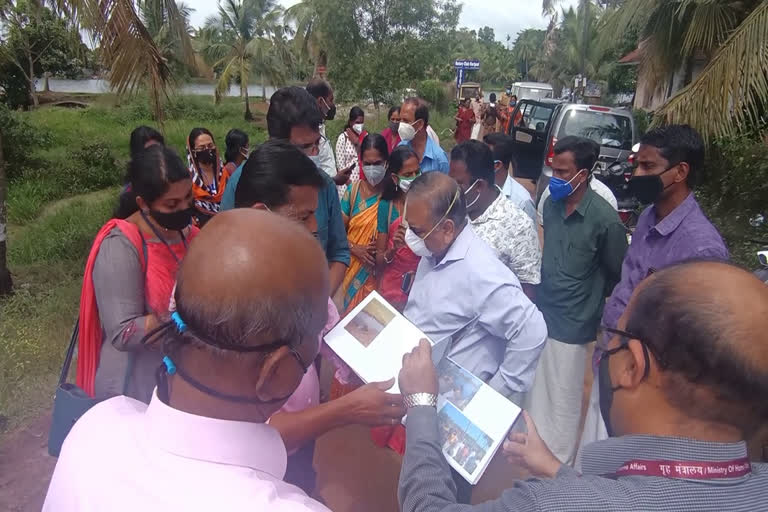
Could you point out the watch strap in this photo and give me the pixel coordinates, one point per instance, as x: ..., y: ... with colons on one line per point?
x: 415, y: 399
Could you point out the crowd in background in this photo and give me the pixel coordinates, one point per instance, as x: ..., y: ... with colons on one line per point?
x: 206, y: 297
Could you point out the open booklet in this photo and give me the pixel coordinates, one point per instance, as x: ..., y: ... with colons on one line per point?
x: 473, y: 418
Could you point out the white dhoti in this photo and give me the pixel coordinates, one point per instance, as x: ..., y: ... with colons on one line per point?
x: 594, y: 426
x: 555, y: 400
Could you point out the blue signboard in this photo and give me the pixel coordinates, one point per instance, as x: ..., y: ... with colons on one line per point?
x: 466, y: 64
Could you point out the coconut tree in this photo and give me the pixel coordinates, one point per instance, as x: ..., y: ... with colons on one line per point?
x: 732, y: 90
x: 238, y: 39
x: 309, y: 38
x: 168, y: 24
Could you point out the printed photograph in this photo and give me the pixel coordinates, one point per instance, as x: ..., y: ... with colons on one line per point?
x: 457, y: 385
x: 461, y: 439
x: 369, y: 322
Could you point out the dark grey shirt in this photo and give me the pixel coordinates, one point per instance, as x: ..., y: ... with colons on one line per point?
x: 118, y: 282
x: 426, y: 484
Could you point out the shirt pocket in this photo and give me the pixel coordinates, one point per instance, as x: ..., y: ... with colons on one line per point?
x: 578, y: 261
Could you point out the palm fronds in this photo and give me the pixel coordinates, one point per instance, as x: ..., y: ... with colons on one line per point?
x: 730, y: 90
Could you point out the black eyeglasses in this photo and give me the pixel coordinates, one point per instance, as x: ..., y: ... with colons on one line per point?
x: 625, y: 337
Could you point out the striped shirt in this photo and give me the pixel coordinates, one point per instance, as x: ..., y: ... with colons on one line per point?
x: 426, y: 484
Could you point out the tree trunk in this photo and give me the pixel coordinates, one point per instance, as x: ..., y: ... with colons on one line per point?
x: 46, y: 84
x: 248, y: 114
x: 32, y: 91
x: 6, y: 284
x: 263, y: 87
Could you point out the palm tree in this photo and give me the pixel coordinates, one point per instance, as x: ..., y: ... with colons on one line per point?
x: 309, y: 39
x: 240, y: 38
x: 731, y: 91
x: 168, y: 24
x: 527, y: 47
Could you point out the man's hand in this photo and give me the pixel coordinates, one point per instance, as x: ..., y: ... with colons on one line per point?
x: 343, y: 175
x: 418, y: 374
x: 371, y: 405
x: 530, y: 451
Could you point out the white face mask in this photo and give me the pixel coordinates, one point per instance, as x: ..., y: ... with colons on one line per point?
x: 358, y: 128
x: 374, y: 173
x: 406, y: 131
x: 405, y: 183
x: 416, y: 244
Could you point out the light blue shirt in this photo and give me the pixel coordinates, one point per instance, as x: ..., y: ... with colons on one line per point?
x: 517, y: 193
x: 434, y: 158
x: 497, y: 332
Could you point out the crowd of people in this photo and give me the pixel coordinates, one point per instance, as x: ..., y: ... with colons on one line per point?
x: 206, y: 298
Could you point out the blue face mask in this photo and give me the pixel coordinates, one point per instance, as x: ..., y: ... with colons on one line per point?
x: 559, y: 189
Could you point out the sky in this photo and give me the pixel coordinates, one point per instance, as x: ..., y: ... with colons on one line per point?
x: 504, y: 16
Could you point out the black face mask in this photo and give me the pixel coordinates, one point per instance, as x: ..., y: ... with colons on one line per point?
x: 206, y: 156
x: 606, y: 392
x: 648, y: 189
x: 331, y: 114
x: 174, y: 221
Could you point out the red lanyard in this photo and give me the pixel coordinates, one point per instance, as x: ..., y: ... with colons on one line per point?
x: 688, y: 470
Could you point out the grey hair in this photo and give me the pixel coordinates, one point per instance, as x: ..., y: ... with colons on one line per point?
x: 245, y: 323
x: 441, y: 197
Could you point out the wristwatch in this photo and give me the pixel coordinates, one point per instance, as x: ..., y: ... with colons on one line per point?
x: 420, y: 399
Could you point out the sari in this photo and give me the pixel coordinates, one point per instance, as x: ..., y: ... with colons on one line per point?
x: 464, y: 126
x: 359, y: 280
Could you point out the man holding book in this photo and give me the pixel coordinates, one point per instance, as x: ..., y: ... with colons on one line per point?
x: 678, y: 390
x: 462, y: 292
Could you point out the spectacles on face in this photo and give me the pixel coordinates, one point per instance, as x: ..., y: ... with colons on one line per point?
x: 310, y: 147
x: 204, y: 148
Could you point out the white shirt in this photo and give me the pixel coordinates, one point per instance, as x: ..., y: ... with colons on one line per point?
x: 123, y: 455
x: 598, y: 186
x: 471, y: 297
x: 325, y: 159
x: 513, y: 236
x: 518, y: 194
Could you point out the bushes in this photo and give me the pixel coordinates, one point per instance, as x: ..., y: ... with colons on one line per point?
x: 86, y: 168
x: 734, y: 190
x: 20, y: 138
x: 435, y: 93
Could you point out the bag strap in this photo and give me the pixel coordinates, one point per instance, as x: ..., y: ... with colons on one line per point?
x: 70, y: 352
x: 73, y: 340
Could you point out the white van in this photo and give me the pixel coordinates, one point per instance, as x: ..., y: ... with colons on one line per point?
x: 532, y: 91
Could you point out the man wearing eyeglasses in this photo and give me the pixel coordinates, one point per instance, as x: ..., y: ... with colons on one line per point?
x: 673, y: 229
x: 294, y: 116
x: 680, y: 391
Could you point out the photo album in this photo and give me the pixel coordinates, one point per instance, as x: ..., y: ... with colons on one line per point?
x: 474, y: 418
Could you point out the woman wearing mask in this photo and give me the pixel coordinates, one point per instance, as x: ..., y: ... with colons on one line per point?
x: 209, y: 177
x: 348, y: 146
x: 390, y: 132
x: 394, y: 260
x: 129, y: 277
x: 237, y: 150
x: 359, y: 208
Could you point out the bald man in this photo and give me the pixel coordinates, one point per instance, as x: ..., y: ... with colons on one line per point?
x: 462, y: 291
x: 683, y: 383
x: 239, y: 345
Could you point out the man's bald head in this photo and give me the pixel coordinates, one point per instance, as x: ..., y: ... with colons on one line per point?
x: 252, y: 277
x: 442, y: 194
x: 705, y: 324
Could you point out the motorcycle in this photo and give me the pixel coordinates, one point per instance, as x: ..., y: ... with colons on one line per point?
x: 616, y: 177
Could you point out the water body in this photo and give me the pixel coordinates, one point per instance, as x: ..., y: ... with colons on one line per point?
x: 99, y: 86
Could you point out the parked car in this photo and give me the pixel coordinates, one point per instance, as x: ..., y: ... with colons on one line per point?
x: 538, y: 124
